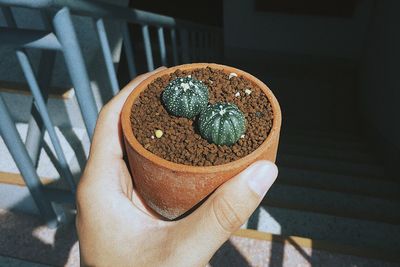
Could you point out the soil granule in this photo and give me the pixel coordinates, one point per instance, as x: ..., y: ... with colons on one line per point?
x: 180, y: 142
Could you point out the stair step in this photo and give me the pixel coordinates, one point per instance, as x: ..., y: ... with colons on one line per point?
x: 347, y: 231
x: 13, y: 262
x: 301, y: 251
x: 329, y: 153
x: 339, y: 183
x: 64, y: 110
x: 23, y: 89
x: 324, y: 134
x: 17, y: 198
x: 333, y: 203
x: 324, y: 142
x: 331, y: 165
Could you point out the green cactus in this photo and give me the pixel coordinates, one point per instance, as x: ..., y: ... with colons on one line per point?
x: 185, y: 97
x: 222, y: 124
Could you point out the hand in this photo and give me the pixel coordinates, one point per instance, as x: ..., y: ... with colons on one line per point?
x: 115, y: 227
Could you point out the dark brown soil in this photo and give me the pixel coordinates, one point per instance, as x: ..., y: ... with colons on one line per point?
x: 180, y: 142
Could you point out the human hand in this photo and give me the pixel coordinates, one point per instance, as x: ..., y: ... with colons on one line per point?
x: 115, y: 227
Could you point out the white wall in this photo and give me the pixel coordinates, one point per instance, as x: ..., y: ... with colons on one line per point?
x: 379, y: 83
x: 245, y: 29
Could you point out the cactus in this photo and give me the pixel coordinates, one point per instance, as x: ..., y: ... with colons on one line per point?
x: 222, y: 124
x: 185, y: 97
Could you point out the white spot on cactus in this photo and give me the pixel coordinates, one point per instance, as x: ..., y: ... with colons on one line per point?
x: 222, y: 112
x: 231, y: 75
x: 185, y: 86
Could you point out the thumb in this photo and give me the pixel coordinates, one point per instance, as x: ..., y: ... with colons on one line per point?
x: 229, y: 207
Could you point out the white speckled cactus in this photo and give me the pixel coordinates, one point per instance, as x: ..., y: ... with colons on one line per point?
x: 185, y: 97
x: 222, y: 124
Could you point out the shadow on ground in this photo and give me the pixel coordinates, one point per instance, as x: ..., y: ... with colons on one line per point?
x: 27, y: 237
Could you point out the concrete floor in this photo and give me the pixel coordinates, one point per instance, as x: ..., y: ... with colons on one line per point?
x: 59, y: 247
x: 12, y: 262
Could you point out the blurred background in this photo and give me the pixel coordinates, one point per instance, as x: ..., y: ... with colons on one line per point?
x: 333, y: 66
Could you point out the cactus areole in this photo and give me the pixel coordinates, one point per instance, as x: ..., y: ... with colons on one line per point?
x: 185, y: 97
x: 222, y: 124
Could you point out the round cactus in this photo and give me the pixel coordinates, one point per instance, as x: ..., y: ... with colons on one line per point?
x: 185, y: 97
x: 222, y: 124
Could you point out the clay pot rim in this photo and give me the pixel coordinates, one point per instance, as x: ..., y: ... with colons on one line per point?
x: 177, y: 167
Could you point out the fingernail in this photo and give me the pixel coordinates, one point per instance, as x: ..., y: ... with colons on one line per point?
x: 260, y: 176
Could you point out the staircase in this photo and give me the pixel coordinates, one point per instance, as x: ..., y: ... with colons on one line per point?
x: 332, y: 193
x: 330, y: 189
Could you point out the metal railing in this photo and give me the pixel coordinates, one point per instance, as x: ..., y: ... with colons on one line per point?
x: 188, y: 42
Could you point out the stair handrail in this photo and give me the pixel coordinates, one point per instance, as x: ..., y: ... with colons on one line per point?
x: 98, y: 9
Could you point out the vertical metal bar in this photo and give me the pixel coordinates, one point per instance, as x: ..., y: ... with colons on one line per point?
x: 34, y: 136
x: 200, y: 47
x: 205, y: 46
x: 214, y: 44
x: 59, y: 195
x: 36, y: 128
x: 193, y: 47
x: 147, y: 47
x: 8, y: 15
x: 219, y: 46
x: 35, y: 133
x: 161, y: 41
x: 211, y: 46
x: 174, y: 46
x: 105, y: 47
x: 76, y: 66
x: 17, y: 150
x: 129, y: 51
x: 41, y: 106
x: 184, y: 38
x: 46, y: 19
x: 217, y: 54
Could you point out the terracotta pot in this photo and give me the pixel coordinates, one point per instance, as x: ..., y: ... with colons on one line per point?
x: 171, y: 189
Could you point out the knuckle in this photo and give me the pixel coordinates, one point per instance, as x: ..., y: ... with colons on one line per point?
x: 105, y: 114
x: 104, y: 110
x: 85, y: 199
x: 80, y: 193
x: 227, y: 216
x: 84, y: 192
